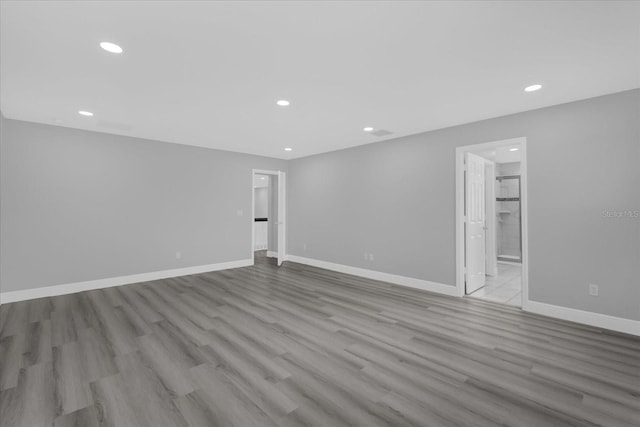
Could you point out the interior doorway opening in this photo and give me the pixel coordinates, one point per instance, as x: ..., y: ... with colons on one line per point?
x: 268, y: 219
x: 262, y: 211
x: 491, y: 222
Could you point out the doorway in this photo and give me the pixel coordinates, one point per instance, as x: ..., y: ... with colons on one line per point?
x: 491, y: 222
x: 268, y: 215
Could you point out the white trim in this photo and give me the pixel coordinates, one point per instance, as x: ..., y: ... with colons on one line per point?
x: 282, y: 217
x: 410, y: 282
x: 501, y: 261
x: 604, y: 321
x: 70, y: 288
x: 460, y: 152
x: 272, y: 254
x: 516, y: 258
x: 264, y: 172
x: 491, y: 244
x: 598, y: 320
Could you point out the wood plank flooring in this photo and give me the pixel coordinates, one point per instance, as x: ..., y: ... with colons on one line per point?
x: 301, y: 346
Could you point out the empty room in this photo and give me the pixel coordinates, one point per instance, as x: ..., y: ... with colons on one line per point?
x: 319, y: 213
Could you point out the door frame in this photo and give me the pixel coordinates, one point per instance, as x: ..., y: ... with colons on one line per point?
x: 282, y: 205
x: 491, y: 246
x: 460, y: 197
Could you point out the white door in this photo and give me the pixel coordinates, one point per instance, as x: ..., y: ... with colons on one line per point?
x: 474, y: 223
x: 282, y: 204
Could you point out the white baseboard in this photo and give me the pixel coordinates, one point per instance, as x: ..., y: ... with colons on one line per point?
x: 70, y: 288
x: 598, y: 320
x: 604, y: 321
x: 272, y: 254
x: 517, y: 264
x: 410, y: 282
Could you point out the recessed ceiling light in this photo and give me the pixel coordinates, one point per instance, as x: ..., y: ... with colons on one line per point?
x: 532, y: 88
x: 288, y: 149
x: 85, y: 113
x: 283, y: 102
x: 262, y: 177
x: 367, y: 129
x: 513, y: 149
x: 111, y: 47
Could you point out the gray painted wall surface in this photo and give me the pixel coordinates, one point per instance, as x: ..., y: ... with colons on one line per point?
x: 80, y: 205
x: 396, y: 199
x: 262, y: 203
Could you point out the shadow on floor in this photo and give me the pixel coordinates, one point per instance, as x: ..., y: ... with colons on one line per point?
x: 261, y: 257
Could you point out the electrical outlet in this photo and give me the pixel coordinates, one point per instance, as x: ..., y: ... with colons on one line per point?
x: 240, y: 212
x: 178, y: 255
x: 370, y: 257
x: 304, y: 246
x: 593, y: 290
x: 366, y: 256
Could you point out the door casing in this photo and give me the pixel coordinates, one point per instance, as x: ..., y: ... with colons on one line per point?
x: 491, y: 243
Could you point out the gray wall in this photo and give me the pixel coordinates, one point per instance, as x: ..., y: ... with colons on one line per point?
x: 80, y: 205
x: 262, y: 203
x: 396, y: 199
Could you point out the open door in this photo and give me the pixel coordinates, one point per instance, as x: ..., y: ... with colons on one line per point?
x: 281, y: 217
x: 475, y: 226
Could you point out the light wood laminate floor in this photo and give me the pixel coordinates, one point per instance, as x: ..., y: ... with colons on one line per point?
x: 301, y: 346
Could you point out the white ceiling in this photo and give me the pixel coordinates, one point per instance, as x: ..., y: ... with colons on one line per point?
x: 503, y: 154
x: 209, y: 73
x: 260, y: 181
